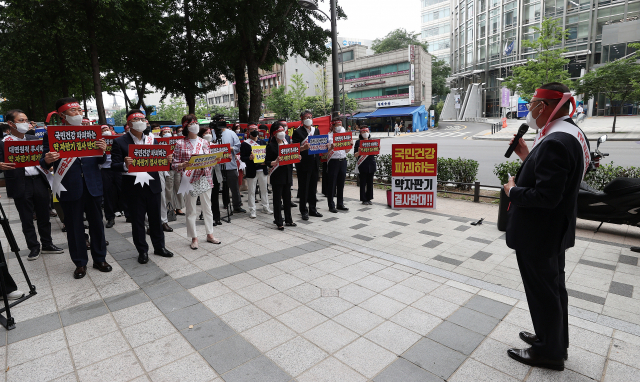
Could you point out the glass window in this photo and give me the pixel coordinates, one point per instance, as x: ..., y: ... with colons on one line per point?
x: 346, y: 56
x: 363, y: 73
x: 427, y: 3
x: 531, y: 13
x: 482, y: 4
x: 617, y: 51
x: 403, y: 66
x: 482, y: 29
x: 403, y: 89
x: 375, y: 71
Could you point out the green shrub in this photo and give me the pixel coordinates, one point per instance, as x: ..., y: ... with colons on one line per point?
x: 436, y: 114
x: 604, y: 174
x: 351, y: 163
x: 383, y: 167
x: 502, y: 170
x: 457, y: 170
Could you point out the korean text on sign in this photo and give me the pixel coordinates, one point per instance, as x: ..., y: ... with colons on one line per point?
x: 414, y: 200
x: 109, y: 141
x: 203, y: 161
x: 318, y: 144
x: 414, y: 159
x: 342, y: 141
x: 225, y: 149
x: 23, y: 153
x: 259, y: 153
x: 369, y: 147
x: 148, y: 158
x: 75, y: 141
x: 415, y: 183
x: 169, y: 141
x: 289, y: 154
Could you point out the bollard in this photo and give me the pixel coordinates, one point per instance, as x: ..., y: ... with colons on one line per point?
x: 476, y: 192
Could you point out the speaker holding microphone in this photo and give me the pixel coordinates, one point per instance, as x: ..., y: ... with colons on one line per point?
x: 521, y: 132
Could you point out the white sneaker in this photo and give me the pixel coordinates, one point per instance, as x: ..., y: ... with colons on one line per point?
x: 266, y: 210
x: 16, y: 294
x: 253, y: 215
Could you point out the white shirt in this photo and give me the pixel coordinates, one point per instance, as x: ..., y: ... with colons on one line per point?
x: 339, y: 154
x: 28, y: 171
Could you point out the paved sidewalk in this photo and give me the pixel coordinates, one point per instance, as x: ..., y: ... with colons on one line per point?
x: 368, y: 295
x: 627, y: 129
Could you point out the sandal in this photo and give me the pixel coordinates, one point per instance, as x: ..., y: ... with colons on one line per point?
x: 194, y: 245
x: 291, y: 224
x: 213, y: 241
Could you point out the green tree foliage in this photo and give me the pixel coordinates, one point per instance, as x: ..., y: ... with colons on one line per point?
x: 397, y: 39
x: 548, y: 64
x: 279, y: 102
x: 297, y: 92
x: 119, y: 117
x: 439, y: 73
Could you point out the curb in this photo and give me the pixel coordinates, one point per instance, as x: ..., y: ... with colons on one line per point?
x: 482, y: 137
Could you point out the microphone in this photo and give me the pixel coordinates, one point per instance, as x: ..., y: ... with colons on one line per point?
x: 521, y: 131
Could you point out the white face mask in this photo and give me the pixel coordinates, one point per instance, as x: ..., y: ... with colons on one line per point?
x: 208, y: 137
x: 365, y: 135
x: 22, y: 127
x: 75, y: 120
x: 339, y: 129
x: 194, y: 128
x: 106, y: 132
x: 167, y: 135
x: 532, y: 122
x: 308, y: 122
x: 280, y: 135
x: 139, y: 126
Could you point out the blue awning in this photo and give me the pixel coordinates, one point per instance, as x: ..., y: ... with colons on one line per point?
x: 394, y: 111
x: 360, y: 115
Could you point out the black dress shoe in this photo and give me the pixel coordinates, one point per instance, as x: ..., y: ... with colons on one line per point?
x: 531, y: 338
x: 281, y: 228
x: 316, y: 214
x: 34, y: 254
x: 239, y: 210
x: 64, y: 228
x: 333, y: 210
x: 305, y: 216
x: 51, y: 249
x: 179, y: 213
x: 343, y: 208
x: 293, y: 204
x: 163, y: 252
x: 527, y: 357
x: 292, y: 224
x: 166, y: 228
x: 218, y: 222
x: 143, y: 258
x: 80, y: 272
x: 110, y: 223
x: 102, y: 266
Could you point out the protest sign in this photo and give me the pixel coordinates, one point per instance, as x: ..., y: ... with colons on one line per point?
x: 204, y: 161
x: 321, y: 123
x: 75, y: 141
x: 318, y: 144
x: 23, y: 153
x: 289, y: 154
x: 259, y: 153
x: 263, y: 134
x: 109, y: 140
x: 225, y: 149
x: 148, y: 158
x: 40, y: 133
x: 169, y: 141
x: 414, y: 170
x: 342, y: 141
x: 369, y: 147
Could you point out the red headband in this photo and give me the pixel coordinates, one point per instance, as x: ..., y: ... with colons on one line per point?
x: 554, y: 94
x: 364, y: 130
x: 277, y: 131
x: 67, y: 106
x: 252, y: 127
x: 335, y: 121
x: 136, y: 115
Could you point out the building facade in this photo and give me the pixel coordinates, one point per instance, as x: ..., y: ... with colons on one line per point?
x: 435, y: 17
x: 487, y: 35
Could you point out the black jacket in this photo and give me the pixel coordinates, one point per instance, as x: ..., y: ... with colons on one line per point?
x: 283, y: 174
x: 544, y: 203
x: 369, y: 164
x: 250, y: 170
x: 307, y: 162
x: 15, y: 178
x: 119, y: 151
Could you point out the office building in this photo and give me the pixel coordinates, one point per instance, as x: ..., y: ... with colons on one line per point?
x: 435, y: 17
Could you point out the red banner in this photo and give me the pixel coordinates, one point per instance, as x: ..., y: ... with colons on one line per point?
x: 369, y: 147
x: 226, y: 148
x: 109, y: 140
x: 75, y: 141
x: 342, y: 141
x: 149, y: 158
x: 289, y: 154
x: 169, y: 141
x: 417, y: 159
x: 23, y: 153
x: 322, y: 123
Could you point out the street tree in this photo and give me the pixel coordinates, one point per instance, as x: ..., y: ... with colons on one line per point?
x: 439, y: 73
x: 397, y: 39
x: 548, y: 65
x: 297, y: 91
x: 279, y: 102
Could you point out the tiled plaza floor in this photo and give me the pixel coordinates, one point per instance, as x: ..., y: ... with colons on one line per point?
x: 368, y: 295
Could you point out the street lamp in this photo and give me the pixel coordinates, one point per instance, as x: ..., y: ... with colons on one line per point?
x: 311, y: 6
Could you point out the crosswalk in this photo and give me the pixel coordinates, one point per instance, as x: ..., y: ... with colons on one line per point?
x: 439, y: 133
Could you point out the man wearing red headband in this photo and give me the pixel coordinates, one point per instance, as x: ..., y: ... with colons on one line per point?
x: 336, y: 171
x: 307, y: 168
x: 82, y: 183
x: 542, y: 221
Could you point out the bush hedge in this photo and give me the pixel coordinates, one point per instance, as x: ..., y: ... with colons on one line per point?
x: 449, y: 169
x: 502, y: 170
x: 604, y: 174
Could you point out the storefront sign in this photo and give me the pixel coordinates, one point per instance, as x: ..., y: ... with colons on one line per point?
x: 289, y: 154
x: 413, y: 71
x: 225, y: 149
x: 23, y: 153
x: 362, y: 84
x: 414, y: 170
x: 505, y: 96
x: 393, y: 102
x: 148, y: 158
x: 75, y: 141
x: 412, y: 53
x: 369, y: 147
x: 412, y: 93
x: 259, y: 153
x: 342, y: 141
x: 318, y: 144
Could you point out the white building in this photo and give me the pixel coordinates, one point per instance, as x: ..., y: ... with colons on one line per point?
x: 436, y: 27
x: 223, y: 96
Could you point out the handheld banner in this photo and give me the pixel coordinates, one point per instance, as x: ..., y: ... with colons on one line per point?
x: 23, y: 153
x: 75, y: 141
x: 259, y: 153
x: 369, y: 147
x: 318, y: 144
x: 40, y: 133
x: 203, y: 161
x: 169, y: 141
x: 148, y: 158
x: 225, y: 149
x: 241, y: 137
x: 321, y: 123
x: 156, y: 132
x: 289, y: 154
x: 109, y: 140
x: 342, y: 141
x: 414, y: 175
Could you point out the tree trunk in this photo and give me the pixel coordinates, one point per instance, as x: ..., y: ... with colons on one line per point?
x: 95, y: 64
x: 241, y: 90
x: 191, y: 102
x: 190, y: 83
x: 62, y: 68
x: 255, y: 93
x: 84, y: 97
x: 43, y: 100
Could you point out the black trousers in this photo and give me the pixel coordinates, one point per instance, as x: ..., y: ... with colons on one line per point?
x: 215, y: 201
x: 325, y: 180
x: 232, y: 183
x: 366, y: 186
x: 74, y: 221
x: 8, y: 280
x: 307, y: 186
x: 112, y: 190
x: 544, y: 285
x: 143, y: 202
x: 337, y: 171
x: 34, y: 199
x: 282, y: 193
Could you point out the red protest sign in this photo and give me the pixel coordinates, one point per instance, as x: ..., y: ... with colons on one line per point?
x: 225, y: 148
x: 169, y: 141
x: 369, y: 147
x: 109, y: 140
x: 289, y: 154
x: 417, y: 159
x: 149, y: 158
x: 23, y: 153
x: 75, y: 141
x: 321, y: 123
x: 342, y: 141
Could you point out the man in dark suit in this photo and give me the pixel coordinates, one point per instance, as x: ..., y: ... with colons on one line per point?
x: 29, y: 188
x: 82, y: 195
x: 142, y: 199
x: 307, y: 168
x: 542, y: 221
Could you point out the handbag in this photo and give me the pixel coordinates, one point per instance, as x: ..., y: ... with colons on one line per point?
x: 199, y: 186
x: 171, y: 212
